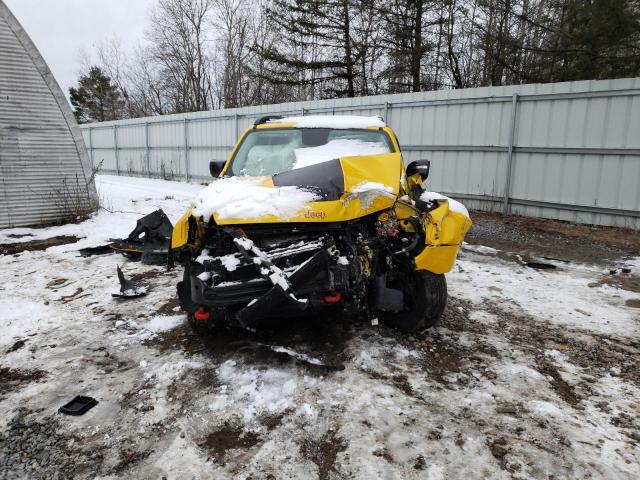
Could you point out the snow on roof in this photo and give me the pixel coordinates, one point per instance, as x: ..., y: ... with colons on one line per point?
x: 332, y: 121
x: 338, y: 148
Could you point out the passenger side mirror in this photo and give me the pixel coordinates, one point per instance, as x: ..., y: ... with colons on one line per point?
x: 215, y: 167
x: 419, y: 166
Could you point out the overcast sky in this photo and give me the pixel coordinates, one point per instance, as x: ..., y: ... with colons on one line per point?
x: 61, y: 29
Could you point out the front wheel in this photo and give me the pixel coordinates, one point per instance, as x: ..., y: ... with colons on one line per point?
x: 425, y: 295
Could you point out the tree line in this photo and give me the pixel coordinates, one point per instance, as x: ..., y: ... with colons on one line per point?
x: 211, y: 54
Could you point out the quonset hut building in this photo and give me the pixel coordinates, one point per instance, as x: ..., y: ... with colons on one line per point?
x: 45, y: 176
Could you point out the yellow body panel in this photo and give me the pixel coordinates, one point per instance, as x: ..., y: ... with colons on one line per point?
x: 437, y: 259
x: 444, y: 229
x: 384, y: 169
x: 444, y: 232
x: 180, y: 236
x: 180, y: 233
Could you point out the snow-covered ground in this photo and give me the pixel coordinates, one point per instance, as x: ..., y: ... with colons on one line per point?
x: 531, y: 374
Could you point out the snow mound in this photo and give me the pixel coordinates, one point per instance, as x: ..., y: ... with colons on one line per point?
x: 162, y: 323
x: 243, y: 197
x: 332, y: 121
x: 170, y: 370
x: 29, y: 318
x: 454, y: 205
x: 338, y: 148
x: 253, y: 392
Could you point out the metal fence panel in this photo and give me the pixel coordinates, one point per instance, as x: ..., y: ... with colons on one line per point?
x: 569, y: 151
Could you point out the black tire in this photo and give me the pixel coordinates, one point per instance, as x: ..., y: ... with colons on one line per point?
x: 426, y: 296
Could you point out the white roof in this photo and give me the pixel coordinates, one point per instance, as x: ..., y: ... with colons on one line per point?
x: 332, y: 121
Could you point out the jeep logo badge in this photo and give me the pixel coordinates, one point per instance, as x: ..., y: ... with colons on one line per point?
x: 312, y: 214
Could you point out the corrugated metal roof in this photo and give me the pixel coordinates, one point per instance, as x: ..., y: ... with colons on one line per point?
x: 42, y: 153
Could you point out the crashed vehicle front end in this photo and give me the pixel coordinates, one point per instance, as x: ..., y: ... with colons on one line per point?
x: 287, y: 231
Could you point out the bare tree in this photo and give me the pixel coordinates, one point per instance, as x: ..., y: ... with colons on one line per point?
x: 204, y: 54
x: 180, y: 45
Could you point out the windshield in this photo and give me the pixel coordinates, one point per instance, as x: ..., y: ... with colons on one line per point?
x: 268, y: 152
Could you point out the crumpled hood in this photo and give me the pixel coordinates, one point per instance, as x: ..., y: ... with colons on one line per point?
x: 333, y: 191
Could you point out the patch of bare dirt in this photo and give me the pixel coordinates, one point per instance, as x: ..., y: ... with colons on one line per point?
x: 36, y: 245
x: 633, y: 303
x: 169, y: 308
x: 498, y: 448
x: 598, y: 354
x: 20, y: 235
x: 227, y: 437
x: 56, y: 283
x: 456, y: 317
x: 201, y: 380
x: 559, y: 385
x: 129, y: 458
x: 554, y: 239
x: 324, y: 452
x: 149, y: 274
x: 180, y: 338
x: 14, y: 378
x: 273, y: 421
x: 75, y: 295
x: 624, y: 281
x: 16, y: 346
x: 441, y: 359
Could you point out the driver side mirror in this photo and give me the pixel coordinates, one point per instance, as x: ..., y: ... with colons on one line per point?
x: 420, y: 167
x: 215, y: 167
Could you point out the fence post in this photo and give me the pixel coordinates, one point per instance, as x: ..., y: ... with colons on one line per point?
x: 512, y: 130
x: 115, y: 147
x: 146, y: 149
x: 386, y: 112
x: 235, y: 127
x: 186, y: 148
x: 93, y: 163
x: 303, y: 111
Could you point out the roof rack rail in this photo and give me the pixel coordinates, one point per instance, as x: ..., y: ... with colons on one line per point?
x: 266, y: 118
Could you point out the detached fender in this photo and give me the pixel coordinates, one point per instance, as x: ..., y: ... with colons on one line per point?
x: 444, y: 232
x: 187, y: 233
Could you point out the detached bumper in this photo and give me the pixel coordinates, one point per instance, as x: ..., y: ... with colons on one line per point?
x: 261, y: 299
x: 229, y: 295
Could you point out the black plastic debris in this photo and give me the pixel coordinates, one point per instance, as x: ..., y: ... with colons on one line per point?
x: 150, y: 239
x: 99, y: 250
x: 78, y: 406
x: 129, y: 289
x: 619, y: 270
x: 541, y: 266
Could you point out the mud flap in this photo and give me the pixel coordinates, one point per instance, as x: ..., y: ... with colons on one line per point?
x: 385, y: 299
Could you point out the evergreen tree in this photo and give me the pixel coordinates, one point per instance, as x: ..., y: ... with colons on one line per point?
x: 317, y: 46
x: 96, y: 99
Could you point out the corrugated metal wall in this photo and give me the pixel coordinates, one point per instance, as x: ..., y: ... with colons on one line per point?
x: 44, y: 166
x: 568, y: 151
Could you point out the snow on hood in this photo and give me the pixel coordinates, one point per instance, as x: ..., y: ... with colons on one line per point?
x: 338, y: 148
x: 368, y: 192
x: 454, y: 205
x: 332, y: 121
x: 244, y: 197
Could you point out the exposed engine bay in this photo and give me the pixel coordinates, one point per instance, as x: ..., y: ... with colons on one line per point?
x: 258, y: 271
